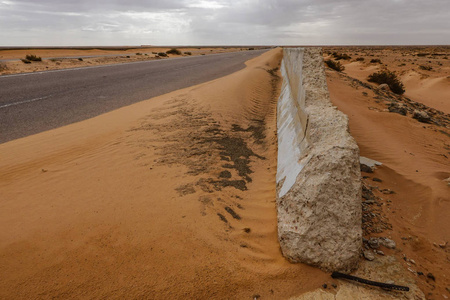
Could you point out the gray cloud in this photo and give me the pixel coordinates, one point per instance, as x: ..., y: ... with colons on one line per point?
x: 171, y: 22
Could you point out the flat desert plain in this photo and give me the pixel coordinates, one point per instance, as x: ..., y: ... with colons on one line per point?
x: 64, y: 58
x: 408, y: 196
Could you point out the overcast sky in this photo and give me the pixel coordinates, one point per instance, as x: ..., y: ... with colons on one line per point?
x: 223, y: 22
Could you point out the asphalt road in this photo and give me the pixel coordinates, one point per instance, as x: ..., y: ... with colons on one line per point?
x: 34, y: 102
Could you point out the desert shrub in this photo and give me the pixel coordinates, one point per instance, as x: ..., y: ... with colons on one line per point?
x: 138, y: 53
x: 25, y: 61
x: 128, y: 56
x: 335, y: 65
x: 3, y: 67
x: 32, y: 57
x: 426, y: 68
x: 360, y: 59
x: 188, y: 53
x: 422, y: 54
x: 375, y: 61
x: 80, y: 59
x: 154, y: 52
x: 339, y: 56
x: 173, y: 51
x: 388, y: 77
x: 162, y: 54
x: 251, y: 48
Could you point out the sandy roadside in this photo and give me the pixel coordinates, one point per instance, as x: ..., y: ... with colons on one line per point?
x: 55, y: 59
x: 415, y: 159
x: 168, y: 198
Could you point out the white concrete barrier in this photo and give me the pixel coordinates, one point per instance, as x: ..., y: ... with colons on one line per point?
x: 318, y: 175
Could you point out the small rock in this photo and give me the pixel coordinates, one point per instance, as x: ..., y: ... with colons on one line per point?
x: 374, y: 243
x: 448, y: 289
x: 448, y: 181
x: 367, y: 193
x: 431, y: 276
x: 443, y: 245
x: 366, y: 169
x: 387, y: 191
x: 388, y: 243
x: 324, y: 285
x: 369, y: 201
x: 379, y: 252
x: 377, y: 179
x: 419, y: 273
x: 421, y: 116
x: 334, y: 285
x: 384, y: 87
x: 368, y: 255
x: 397, y: 108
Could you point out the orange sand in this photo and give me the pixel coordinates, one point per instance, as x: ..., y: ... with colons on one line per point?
x: 138, y: 203
x: 430, y: 87
x: 415, y: 159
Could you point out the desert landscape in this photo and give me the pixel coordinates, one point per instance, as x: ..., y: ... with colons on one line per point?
x: 407, y: 197
x: 174, y: 197
x: 13, y: 61
x: 225, y: 149
x: 168, y: 198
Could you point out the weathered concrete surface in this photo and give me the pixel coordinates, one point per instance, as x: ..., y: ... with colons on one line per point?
x: 318, y: 176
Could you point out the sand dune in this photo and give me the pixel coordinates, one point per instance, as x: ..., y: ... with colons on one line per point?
x: 415, y: 159
x: 431, y: 91
x: 169, y: 198
x: 425, y: 72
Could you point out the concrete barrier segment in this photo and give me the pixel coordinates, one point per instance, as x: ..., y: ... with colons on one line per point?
x: 318, y: 174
